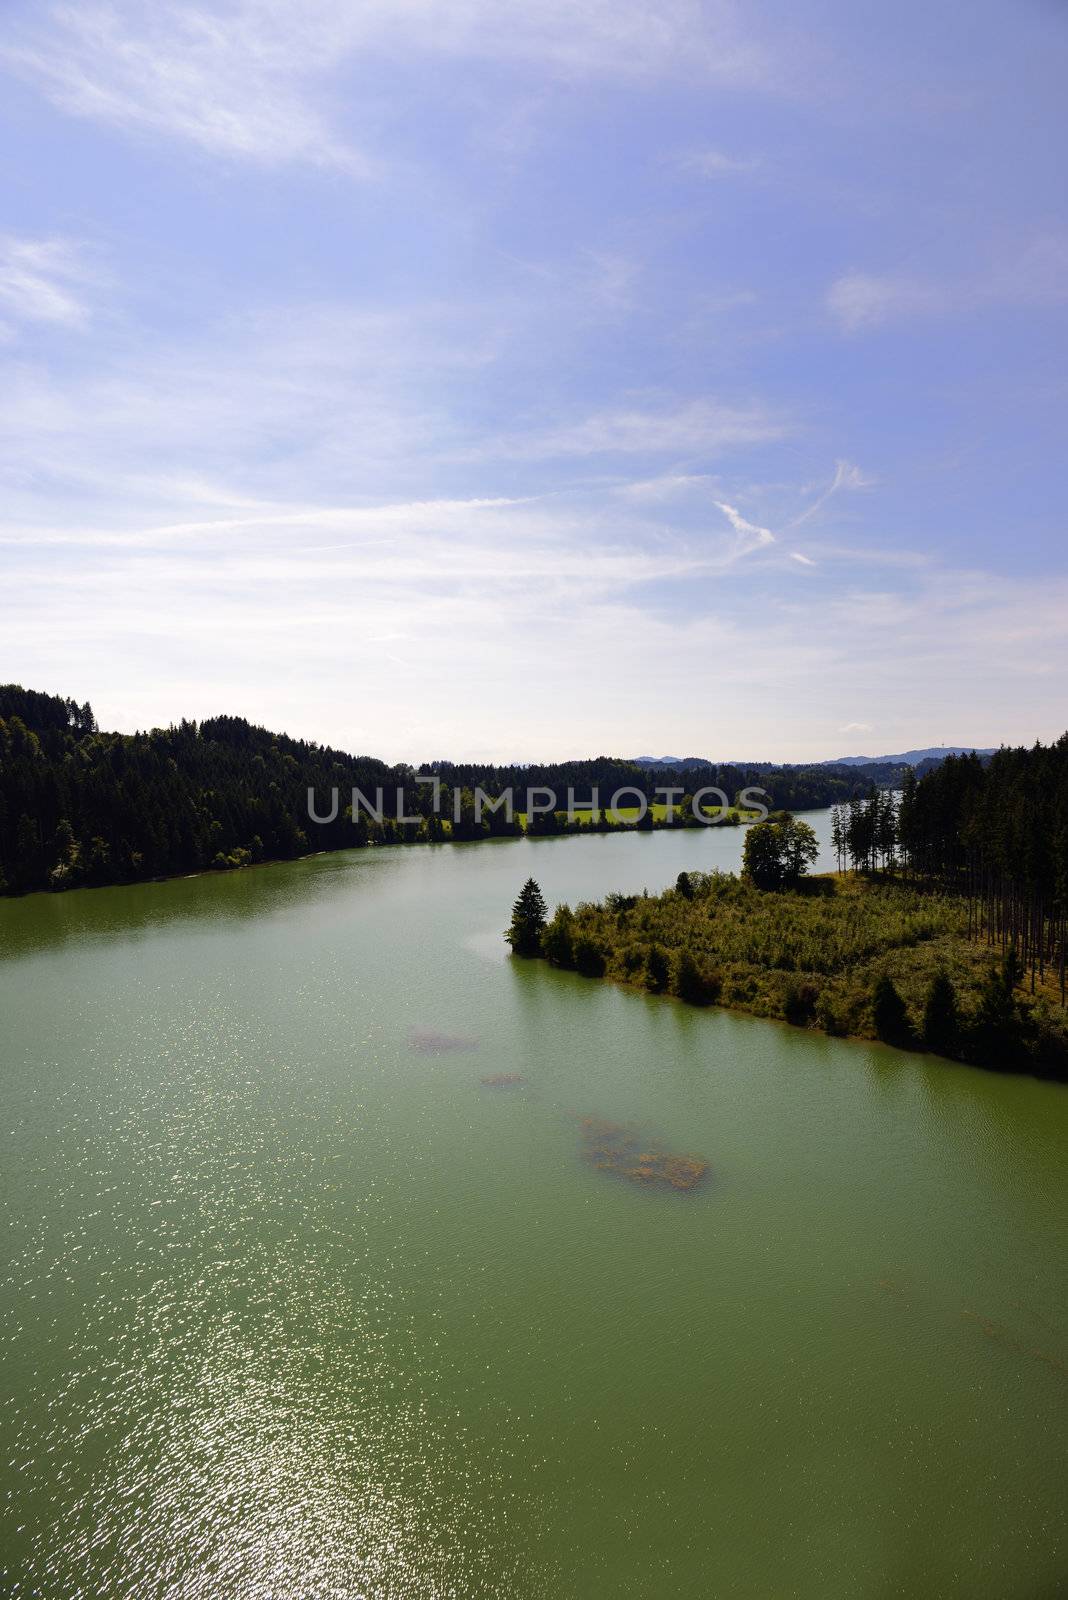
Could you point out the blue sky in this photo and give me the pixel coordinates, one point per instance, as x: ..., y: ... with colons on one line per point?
x: 496, y: 380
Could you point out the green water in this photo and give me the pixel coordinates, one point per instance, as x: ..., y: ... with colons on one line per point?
x: 295, y: 1308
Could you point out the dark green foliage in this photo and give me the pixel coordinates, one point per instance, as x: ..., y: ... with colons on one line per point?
x: 794, y: 788
x: 941, y: 1024
x: 889, y: 1014
x: 588, y: 957
x: 683, y: 886
x: 656, y: 969
x: 777, y: 855
x: 997, y: 1033
x: 799, y: 1003
x: 697, y: 985
x: 82, y: 807
x: 557, y: 941
x: 528, y: 921
x: 223, y: 793
x: 817, y: 960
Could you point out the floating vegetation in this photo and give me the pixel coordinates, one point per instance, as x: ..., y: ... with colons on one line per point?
x: 622, y: 1149
x: 1008, y: 1339
x: 1000, y: 1333
x: 503, y: 1080
x: 428, y: 1042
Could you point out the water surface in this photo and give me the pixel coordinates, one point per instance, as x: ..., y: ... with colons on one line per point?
x: 295, y: 1307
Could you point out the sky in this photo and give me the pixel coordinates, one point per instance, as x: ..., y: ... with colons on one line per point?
x: 512, y: 381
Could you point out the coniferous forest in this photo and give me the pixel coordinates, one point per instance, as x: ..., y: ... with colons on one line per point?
x: 79, y: 806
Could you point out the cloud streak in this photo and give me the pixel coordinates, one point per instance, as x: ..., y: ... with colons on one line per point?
x: 44, y: 280
x: 258, y: 81
x: 1034, y: 276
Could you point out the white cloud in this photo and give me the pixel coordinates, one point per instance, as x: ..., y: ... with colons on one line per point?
x: 806, y: 561
x: 667, y: 486
x: 257, y: 79
x: 862, y: 300
x: 233, y: 80
x: 749, y: 533
x: 42, y: 280
x: 508, y: 615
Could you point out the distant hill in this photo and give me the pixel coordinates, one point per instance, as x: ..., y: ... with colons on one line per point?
x: 907, y: 758
x: 671, y: 761
x: 911, y: 758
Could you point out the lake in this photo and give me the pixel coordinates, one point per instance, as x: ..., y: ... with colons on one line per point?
x: 296, y: 1307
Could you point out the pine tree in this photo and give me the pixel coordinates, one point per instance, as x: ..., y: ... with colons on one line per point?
x: 888, y: 1011
x: 998, y: 1034
x: 941, y: 1024
x: 528, y: 921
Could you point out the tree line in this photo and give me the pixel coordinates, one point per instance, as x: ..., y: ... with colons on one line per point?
x: 995, y: 833
x: 862, y: 956
x: 83, y: 806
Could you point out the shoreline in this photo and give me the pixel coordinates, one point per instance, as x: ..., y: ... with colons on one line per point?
x: 582, y: 831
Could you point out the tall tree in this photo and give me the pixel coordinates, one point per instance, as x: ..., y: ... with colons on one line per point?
x: 528, y: 921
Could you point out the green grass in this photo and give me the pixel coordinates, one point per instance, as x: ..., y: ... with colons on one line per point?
x: 658, y: 811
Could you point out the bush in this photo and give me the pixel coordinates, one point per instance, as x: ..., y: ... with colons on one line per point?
x: 692, y: 983
x: 799, y: 1004
x: 557, y: 940
x: 588, y: 957
x: 656, y: 970
x: 830, y: 1018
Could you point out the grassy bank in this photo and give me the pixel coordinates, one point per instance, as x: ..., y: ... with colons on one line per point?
x: 816, y: 957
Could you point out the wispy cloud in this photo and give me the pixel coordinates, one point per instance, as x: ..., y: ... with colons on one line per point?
x: 44, y: 280
x: 717, y: 163
x: 505, y: 606
x: 256, y: 80
x: 701, y: 426
x: 846, y: 476
x: 863, y: 300
x: 750, y: 536
x: 666, y: 486
x: 805, y: 561
x: 1036, y: 275
x: 237, y: 80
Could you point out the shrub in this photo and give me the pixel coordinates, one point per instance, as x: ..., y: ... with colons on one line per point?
x: 656, y: 969
x: 799, y: 1004
x: 588, y: 957
x: 692, y: 983
x: 557, y: 938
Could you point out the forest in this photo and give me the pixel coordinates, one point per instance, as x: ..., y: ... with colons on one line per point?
x: 943, y: 929
x: 80, y: 806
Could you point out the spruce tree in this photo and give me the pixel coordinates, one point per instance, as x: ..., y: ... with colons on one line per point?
x: 888, y: 1012
x: 941, y: 1025
x: 528, y: 921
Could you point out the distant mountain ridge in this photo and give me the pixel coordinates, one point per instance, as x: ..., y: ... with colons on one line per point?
x: 912, y: 758
x: 906, y: 758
